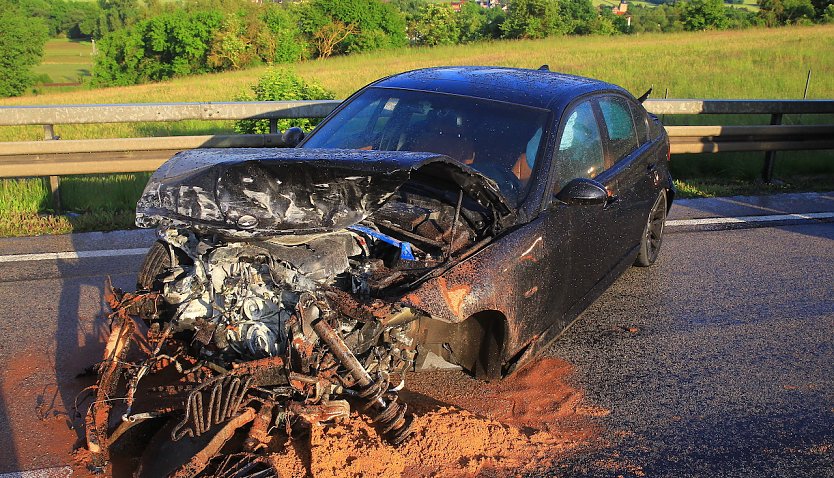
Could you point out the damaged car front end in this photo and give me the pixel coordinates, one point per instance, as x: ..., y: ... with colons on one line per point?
x: 287, y: 287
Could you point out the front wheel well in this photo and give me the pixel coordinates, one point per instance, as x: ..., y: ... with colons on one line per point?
x: 477, y: 344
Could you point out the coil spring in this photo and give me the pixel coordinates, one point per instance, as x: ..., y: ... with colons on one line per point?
x: 390, y: 416
x: 242, y: 465
x: 213, y: 402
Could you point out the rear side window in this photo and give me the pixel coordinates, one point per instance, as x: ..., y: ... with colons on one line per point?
x: 620, y: 125
x: 640, y: 123
x: 655, y: 128
x: 580, y: 149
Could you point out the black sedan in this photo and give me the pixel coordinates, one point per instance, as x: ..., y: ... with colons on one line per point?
x: 466, y: 213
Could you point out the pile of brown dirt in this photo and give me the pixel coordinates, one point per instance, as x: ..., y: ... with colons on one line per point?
x: 447, y: 442
x: 539, y: 397
x: 463, y: 428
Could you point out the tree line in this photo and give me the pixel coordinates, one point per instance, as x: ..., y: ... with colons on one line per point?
x: 152, y: 40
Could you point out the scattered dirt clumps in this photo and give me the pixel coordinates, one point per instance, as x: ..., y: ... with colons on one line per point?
x: 41, y: 431
x: 463, y: 428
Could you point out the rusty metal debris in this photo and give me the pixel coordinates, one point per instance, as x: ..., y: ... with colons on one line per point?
x: 211, y: 403
x: 232, y: 336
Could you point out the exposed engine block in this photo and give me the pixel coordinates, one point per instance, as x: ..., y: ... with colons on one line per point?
x: 239, y: 299
x: 262, y: 322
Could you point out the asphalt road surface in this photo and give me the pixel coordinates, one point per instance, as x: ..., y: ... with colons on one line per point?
x: 718, y: 361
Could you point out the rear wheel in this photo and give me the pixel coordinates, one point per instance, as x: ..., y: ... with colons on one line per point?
x: 653, y: 233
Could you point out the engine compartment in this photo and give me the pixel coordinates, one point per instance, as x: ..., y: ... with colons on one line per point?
x: 240, y: 302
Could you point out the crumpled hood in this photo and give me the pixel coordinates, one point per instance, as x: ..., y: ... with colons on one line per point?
x: 268, y: 191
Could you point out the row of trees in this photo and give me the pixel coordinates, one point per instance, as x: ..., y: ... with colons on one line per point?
x: 213, y: 36
x: 693, y: 15
x: 675, y: 15
x: 218, y: 35
x: 151, y: 40
x: 435, y: 24
x: 438, y: 24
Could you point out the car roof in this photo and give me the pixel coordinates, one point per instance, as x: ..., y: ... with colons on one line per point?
x: 537, y: 88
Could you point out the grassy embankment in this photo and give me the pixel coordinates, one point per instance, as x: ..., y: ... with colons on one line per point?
x: 756, y: 63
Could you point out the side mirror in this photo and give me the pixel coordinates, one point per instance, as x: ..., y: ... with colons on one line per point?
x: 583, y: 191
x: 292, y: 136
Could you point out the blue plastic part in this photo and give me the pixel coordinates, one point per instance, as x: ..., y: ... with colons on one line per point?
x: 405, y: 247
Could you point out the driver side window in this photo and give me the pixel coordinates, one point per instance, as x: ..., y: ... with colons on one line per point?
x: 366, y: 121
x: 580, y: 153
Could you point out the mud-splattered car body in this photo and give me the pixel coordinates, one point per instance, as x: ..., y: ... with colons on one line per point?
x: 439, y: 213
x: 551, y: 255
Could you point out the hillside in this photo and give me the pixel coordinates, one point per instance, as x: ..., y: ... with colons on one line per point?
x: 753, y: 63
x: 66, y: 60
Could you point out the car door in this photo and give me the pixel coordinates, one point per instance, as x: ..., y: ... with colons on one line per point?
x: 581, y: 154
x: 634, y: 168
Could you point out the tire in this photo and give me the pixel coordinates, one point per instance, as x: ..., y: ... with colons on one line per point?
x: 156, y: 261
x: 653, y: 233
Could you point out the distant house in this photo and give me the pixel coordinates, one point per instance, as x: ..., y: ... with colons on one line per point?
x: 620, y: 9
x: 457, y: 4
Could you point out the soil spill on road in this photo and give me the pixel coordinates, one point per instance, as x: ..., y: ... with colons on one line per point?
x: 463, y: 427
x: 43, y: 432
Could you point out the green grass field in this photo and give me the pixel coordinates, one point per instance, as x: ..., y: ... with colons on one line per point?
x: 66, y: 61
x: 755, y: 63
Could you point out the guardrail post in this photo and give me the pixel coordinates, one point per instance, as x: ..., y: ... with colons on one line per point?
x: 54, y: 181
x: 49, y: 132
x: 770, y: 156
x: 273, y: 126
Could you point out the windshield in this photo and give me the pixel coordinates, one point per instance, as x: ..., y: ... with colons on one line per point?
x: 500, y: 140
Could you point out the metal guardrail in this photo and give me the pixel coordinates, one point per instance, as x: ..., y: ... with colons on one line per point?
x: 155, y: 112
x: 56, y: 158
x: 735, y: 107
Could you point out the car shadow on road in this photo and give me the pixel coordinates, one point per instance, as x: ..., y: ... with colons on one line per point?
x: 9, y: 454
x: 81, y: 332
x: 59, y: 322
x: 79, y: 340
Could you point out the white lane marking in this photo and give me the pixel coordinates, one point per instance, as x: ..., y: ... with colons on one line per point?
x: 750, y: 219
x: 51, y: 256
x: 57, y: 472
